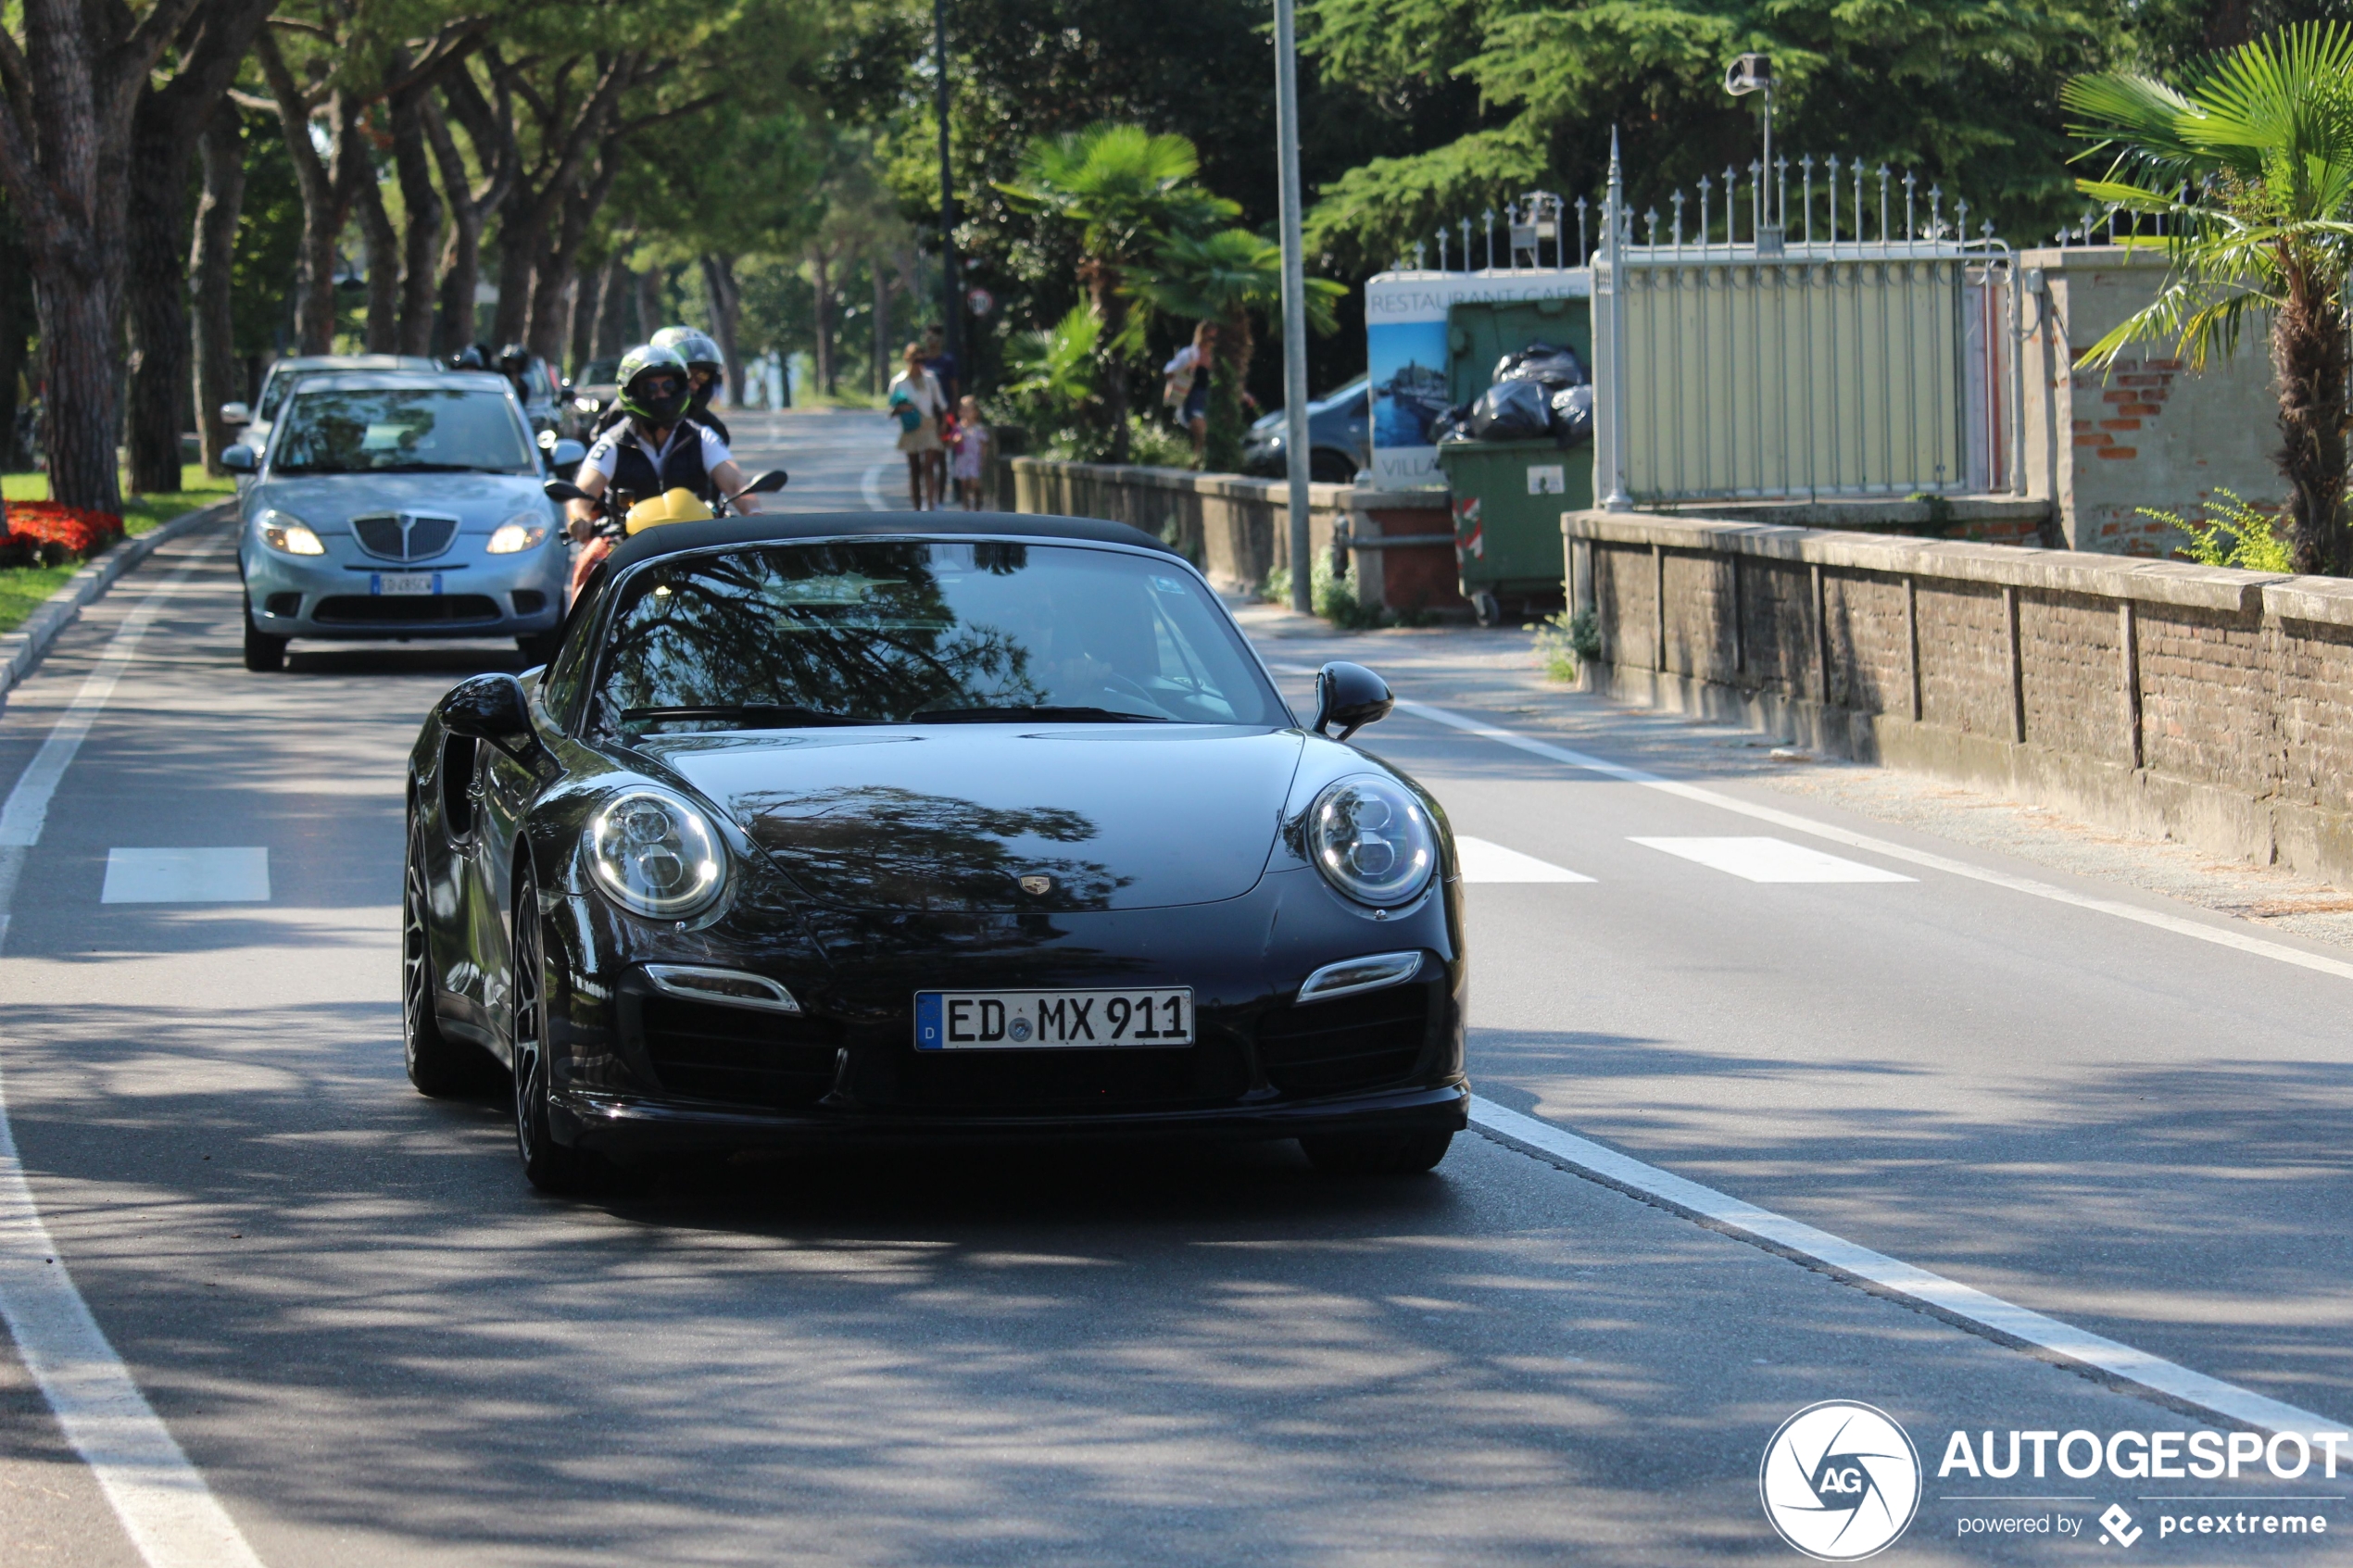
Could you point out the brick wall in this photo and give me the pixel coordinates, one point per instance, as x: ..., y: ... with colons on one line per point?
x: 2206, y: 704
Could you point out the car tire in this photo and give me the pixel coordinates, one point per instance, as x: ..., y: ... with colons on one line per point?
x: 1331, y: 468
x: 1375, y: 1154
x: 539, y: 646
x: 438, y: 1066
x: 547, y: 1164
x: 264, y: 654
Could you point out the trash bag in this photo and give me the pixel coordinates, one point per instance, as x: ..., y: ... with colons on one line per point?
x: 1511, y: 410
x: 1452, y: 425
x: 1544, y: 364
x: 1573, y: 415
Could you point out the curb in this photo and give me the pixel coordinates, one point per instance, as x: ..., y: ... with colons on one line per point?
x: 22, y: 649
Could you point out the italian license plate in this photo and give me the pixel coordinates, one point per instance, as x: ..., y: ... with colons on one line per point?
x: 404, y: 582
x: 1028, y: 1021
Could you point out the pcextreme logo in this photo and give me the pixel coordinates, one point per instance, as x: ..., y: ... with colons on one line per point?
x: 1840, y: 1481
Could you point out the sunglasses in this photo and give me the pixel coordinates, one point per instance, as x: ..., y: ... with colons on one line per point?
x: 662, y: 387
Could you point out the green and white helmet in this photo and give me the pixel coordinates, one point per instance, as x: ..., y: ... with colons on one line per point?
x: 694, y: 346
x: 638, y: 403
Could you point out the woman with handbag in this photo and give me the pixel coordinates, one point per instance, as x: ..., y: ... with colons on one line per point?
x: 915, y: 397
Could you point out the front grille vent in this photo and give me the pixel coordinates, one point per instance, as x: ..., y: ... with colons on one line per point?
x: 404, y: 535
x: 405, y: 609
x: 1350, y: 1043
x: 742, y: 1056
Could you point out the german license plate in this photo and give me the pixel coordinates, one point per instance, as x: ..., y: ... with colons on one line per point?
x: 1028, y: 1021
x: 404, y: 582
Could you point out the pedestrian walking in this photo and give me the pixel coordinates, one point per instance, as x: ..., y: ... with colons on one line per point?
x: 971, y: 454
x: 1186, y: 390
x: 915, y: 397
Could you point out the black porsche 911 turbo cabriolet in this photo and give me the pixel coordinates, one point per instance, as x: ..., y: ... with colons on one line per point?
x: 924, y: 826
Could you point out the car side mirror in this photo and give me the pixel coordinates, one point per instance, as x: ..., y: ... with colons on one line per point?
x: 562, y: 490
x: 236, y: 414
x: 240, y: 459
x: 566, y: 454
x: 1352, y: 696
x: 491, y: 708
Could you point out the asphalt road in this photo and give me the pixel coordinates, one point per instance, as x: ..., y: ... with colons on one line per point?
x: 375, y: 1345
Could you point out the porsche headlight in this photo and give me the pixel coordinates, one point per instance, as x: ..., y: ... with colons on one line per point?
x: 518, y: 533
x: 1372, y: 841
x: 288, y: 535
x: 656, y: 854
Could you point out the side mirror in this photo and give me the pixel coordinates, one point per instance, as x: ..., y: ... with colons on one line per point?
x: 566, y: 454
x: 236, y: 414
x: 493, y: 708
x: 562, y: 490
x: 240, y: 459
x: 1351, y: 697
x: 768, y: 484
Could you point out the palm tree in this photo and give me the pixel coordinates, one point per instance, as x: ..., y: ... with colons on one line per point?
x: 1056, y: 369
x: 2249, y: 161
x: 1224, y: 278
x: 1127, y: 191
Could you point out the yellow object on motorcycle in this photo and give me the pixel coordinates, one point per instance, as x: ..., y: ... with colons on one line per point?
x: 674, y: 506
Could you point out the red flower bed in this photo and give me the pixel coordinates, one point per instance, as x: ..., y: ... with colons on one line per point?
x: 47, y: 532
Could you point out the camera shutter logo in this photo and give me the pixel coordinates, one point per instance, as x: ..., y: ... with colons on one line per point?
x: 1840, y: 1481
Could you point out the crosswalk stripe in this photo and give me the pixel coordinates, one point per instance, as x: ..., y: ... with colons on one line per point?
x: 1485, y: 861
x: 1771, y: 859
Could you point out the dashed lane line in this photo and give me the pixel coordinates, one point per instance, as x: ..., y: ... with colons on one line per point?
x: 869, y: 488
x: 1962, y: 1304
x: 168, y: 1512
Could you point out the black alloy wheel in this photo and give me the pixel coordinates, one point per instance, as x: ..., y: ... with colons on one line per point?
x: 264, y: 654
x: 438, y: 1065
x: 1375, y: 1154
x: 547, y: 1164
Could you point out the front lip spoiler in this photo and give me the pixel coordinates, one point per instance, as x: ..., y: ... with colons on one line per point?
x: 608, y: 1123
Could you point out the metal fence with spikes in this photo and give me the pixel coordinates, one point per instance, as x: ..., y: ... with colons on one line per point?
x: 1863, y: 344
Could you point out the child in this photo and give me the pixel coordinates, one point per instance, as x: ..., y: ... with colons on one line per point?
x: 972, y: 452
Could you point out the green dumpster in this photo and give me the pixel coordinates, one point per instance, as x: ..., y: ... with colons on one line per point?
x: 1508, y: 496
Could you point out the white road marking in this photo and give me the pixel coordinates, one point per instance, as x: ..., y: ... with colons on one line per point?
x: 1952, y: 1299
x: 2220, y: 936
x: 166, y: 1509
x: 1771, y: 859
x: 187, y: 876
x: 1484, y: 861
x: 870, y: 487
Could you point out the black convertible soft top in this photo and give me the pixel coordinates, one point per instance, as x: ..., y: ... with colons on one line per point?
x: 784, y: 527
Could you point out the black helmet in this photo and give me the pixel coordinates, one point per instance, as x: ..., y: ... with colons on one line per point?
x: 514, y: 359
x: 642, y: 365
x: 466, y: 359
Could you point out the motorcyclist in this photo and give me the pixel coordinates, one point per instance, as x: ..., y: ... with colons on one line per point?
x: 655, y: 448
x: 705, y: 368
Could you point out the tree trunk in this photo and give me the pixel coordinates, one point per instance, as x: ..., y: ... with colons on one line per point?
x: 648, y: 304
x: 16, y: 331
x: 210, y: 259
x: 155, y: 283
x: 882, y: 370
x: 420, y: 244
x: 383, y: 331
x: 553, y: 278
x: 727, y: 316
x: 2309, y: 356
x: 613, y: 310
x: 822, y: 278
x: 453, y: 325
x: 1102, y: 283
x: 587, y: 306
x: 78, y: 377
x: 323, y: 212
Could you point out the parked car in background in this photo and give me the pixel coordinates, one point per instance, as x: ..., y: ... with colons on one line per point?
x: 255, y: 418
x: 1339, y: 438
x: 399, y: 503
x: 597, y: 383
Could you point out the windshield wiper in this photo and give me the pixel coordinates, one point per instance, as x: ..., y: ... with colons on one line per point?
x: 758, y: 714
x: 1047, y: 713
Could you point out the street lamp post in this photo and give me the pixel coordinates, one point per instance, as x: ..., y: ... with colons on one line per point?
x: 950, y: 321
x: 1302, y: 570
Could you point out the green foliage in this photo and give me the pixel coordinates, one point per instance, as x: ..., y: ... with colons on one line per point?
x: 1565, y: 642
x: 2238, y: 535
x: 1334, y: 596
x: 1052, y: 386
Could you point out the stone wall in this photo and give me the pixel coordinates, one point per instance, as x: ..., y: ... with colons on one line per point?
x: 2198, y: 703
x: 1238, y: 530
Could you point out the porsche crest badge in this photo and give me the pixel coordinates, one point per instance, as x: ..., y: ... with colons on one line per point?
x: 1037, y: 885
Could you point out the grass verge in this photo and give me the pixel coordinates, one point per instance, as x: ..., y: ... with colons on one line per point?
x: 23, y: 587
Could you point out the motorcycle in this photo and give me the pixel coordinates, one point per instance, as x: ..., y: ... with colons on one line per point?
x: 617, y: 516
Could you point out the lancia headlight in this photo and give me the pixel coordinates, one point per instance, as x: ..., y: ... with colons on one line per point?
x: 1372, y: 841
x: 654, y: 853
x: 287, y: 535
x: 518, y: 533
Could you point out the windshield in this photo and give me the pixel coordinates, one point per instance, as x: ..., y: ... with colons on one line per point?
x: 401, y: 431
x: 274, y: 388
x: 786, y: 636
